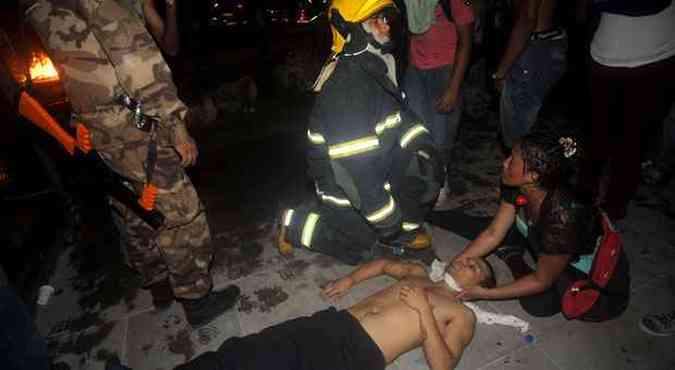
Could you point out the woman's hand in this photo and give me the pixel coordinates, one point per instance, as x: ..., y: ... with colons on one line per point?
x: 338, y: 288
x: 414, y: 297
x: 472, y: 293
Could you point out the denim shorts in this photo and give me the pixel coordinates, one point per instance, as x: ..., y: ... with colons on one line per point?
x: 528, y: 82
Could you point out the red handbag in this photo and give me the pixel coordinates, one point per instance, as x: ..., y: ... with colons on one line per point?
x: 581, y: 296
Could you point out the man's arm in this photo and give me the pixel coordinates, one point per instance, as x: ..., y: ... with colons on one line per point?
x: 165, y: 33
x: 458, y: 335
x: 396, y: 269
x: 441, y: 351
x: 525, y: 24
x: 464, y: 43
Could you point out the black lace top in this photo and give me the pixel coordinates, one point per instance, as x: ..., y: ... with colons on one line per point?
x: 565, y: 226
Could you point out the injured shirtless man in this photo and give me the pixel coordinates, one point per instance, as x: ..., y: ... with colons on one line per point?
x: 371, y: 334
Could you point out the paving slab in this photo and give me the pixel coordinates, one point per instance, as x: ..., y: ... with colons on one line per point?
x: 276, y: 288
x: 91, y: 348
x: 615, y: 344
x: 523, y: 358
x: 164, y: 339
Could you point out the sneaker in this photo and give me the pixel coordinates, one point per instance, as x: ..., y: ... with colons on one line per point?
x: 660, y: 324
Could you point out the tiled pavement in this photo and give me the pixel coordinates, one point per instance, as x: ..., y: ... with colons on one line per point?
x: 276, y: 289
x: 84, y: 332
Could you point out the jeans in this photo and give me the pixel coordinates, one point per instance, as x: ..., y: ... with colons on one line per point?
x: 423, y: 88
x: 526, y: 85
x: 21, y: 347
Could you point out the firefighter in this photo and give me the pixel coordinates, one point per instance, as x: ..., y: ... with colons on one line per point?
x: 120, y: 88
x: 371, y: 158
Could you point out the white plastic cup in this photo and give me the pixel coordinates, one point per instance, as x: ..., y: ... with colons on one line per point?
x: 44, y: 294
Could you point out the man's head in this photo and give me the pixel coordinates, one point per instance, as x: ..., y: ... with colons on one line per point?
x: 375, y: 16
x: 472, y: 272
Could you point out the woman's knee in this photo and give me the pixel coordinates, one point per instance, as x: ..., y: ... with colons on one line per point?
x: 541, y: 305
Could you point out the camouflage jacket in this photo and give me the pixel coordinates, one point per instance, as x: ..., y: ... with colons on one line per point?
x: 102, y: 49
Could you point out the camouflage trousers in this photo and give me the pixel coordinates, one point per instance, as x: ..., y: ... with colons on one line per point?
x: 181, y: 251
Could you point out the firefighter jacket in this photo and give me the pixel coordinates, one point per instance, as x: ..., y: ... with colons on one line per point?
x: 358, y: 126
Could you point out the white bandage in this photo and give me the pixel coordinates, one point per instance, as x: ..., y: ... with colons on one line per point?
x: 438, y: 273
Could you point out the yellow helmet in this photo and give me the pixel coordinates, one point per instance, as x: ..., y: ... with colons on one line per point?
x: 354, y: 11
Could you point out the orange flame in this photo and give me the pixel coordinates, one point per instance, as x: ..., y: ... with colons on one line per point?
x: 42, y: 69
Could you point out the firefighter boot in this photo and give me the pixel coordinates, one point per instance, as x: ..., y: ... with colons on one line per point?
x: 284, y: 246
x: 422, y: 240
x: 202, y: 311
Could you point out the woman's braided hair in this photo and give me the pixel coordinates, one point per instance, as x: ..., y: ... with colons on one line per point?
x: 551, y: 155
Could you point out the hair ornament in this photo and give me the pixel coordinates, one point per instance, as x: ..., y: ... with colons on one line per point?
x: 569, y: 146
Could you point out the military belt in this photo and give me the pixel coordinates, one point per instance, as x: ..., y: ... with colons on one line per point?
x: 141, y: 120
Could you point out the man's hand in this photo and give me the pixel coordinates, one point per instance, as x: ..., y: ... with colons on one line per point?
x: 188, y: 152
x: 447, y: 101
x: 498, y: 81
x: 415, y: 298
x: 472, y: 293
x: 338, y: 288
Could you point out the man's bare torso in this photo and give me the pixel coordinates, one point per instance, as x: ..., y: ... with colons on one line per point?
x: 545, y: 14
x: 395, y: 327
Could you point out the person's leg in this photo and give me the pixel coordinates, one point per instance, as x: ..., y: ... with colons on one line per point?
x: 528, y: 83
x: 416, y: 96
x: 603, y: 88
x: 443, y: 125
x: 338, y: 232
x: 142, y: 254
x: 643, y: 94
x: 519, y: 105
x: 549, y: 302
x: 186, y: 242
x: 544, y: 304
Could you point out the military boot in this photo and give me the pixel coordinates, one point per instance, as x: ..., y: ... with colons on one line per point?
x: 202, y: 311
x: 162, y: 294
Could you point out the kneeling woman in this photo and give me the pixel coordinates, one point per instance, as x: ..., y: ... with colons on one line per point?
x: 560, y: 232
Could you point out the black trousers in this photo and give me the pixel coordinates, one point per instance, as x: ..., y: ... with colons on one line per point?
x: 610, y: 304
x: 329, y: 339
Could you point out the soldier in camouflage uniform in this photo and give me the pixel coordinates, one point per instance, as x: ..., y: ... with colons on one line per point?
x: 103, y: 52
